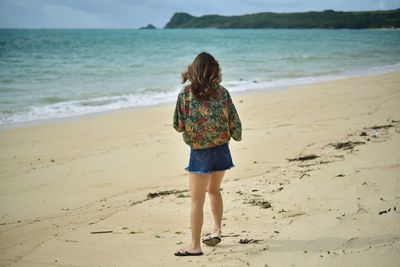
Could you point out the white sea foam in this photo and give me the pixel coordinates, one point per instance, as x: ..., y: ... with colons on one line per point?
x: 88, y: 106
x: 245, y: 85
x: 109, y: 103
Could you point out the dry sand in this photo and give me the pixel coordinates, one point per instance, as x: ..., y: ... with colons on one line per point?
x: 62, y: 182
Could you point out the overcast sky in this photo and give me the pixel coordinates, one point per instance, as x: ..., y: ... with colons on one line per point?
x: 137, y: 13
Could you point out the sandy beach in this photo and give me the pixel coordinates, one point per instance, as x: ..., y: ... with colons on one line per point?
x: 316, y: 183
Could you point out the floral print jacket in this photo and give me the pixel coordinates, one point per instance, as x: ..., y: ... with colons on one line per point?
x: 206, y: 123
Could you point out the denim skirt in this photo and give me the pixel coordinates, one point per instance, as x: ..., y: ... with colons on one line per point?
x: 206, y: 161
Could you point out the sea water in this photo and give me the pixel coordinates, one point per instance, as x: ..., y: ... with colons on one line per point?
x: 48, y: 73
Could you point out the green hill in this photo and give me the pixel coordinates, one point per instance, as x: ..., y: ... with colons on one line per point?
x: 327, y: 19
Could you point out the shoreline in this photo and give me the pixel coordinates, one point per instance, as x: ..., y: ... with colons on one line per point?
x: 256, y: 87
x: 111, y: 190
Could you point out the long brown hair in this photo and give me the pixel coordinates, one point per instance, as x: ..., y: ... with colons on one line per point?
x: 204, y: 74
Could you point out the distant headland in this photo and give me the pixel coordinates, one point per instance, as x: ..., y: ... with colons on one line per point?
x: 328, y: 19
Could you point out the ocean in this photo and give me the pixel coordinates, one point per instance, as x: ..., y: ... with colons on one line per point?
x: 56, y: 73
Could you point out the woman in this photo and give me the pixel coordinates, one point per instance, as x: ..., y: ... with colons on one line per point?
x: 207, y: 118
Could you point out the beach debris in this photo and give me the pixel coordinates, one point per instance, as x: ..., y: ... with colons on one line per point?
x: 133, y: 203
x: 136, y: 232
x: 295, y: 214
x: 282, y: 210
x: 363, y: 134
x: 249, y: 241
x: 339, y: 156
x: 347, y: 145
x: 239, y: 193
x: 277, y: 189
x: 117, y: 231
x: 102, y: 232
x: 284, y: 125
x: 340, y: 175
x: 53, y: 160
x: 340, y: 217
x: 349, y: 241
x: 303, y: 158
x: 183, y: 195
x: 304, y: 174
x: 231, y: 235
x: 259, y: 202
x: 386, y: 211
x: 378, y: 127
x: 152, y: 195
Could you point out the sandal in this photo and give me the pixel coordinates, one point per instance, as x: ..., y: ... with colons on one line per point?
x: 185, y: 253
x: 212, y: 240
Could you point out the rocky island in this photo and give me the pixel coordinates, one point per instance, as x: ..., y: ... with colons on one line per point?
x: 328, y: 19
x: 148, y: 27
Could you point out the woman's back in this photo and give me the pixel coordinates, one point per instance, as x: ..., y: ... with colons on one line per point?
x: 206, y: 123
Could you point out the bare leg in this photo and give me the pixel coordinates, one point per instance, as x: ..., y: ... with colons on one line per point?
x: 198, y: 187
x: 214, y: 192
